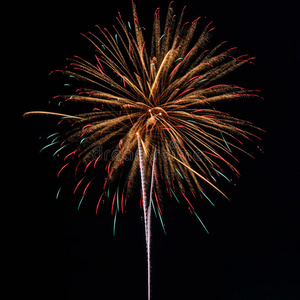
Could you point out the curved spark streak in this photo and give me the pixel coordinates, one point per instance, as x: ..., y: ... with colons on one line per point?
x: 203, y: 178
x: 50, y: 114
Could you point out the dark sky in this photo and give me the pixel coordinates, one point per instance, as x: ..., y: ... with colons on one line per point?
x: 253, y: 247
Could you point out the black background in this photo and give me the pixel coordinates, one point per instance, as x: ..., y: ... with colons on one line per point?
x: 253, y: 247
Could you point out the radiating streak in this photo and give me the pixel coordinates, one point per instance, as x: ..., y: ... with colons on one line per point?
x: 222, y: 175
x: 79, y: 204
x: 203, y: 178
x: 207, y: 198
x: 174, y: 194
x: 162, y: 222
x: 53, y: 134
x: 200, y: 221
x: 115, y: 221
x: 60, y: 149
x: 158, y: 74
x: 58, y: 192
x: 51, y: 144
x: 225, y: 142
x: 50, y: 114
x: 152, y: 175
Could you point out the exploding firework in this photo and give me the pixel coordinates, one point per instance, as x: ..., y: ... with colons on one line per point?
x: 159, y: 103
x: 152, y: 114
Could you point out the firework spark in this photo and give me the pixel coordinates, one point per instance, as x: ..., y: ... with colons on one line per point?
x: 152, y: 111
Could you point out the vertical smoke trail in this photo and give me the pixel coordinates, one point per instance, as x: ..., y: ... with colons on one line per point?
x: 147, y: 211
x: 148, y: 243
x: 149, y: 225
x: 144, y: 198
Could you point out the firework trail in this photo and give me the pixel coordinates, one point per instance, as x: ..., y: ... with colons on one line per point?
x: 153, y: 114
x: 147, y: 210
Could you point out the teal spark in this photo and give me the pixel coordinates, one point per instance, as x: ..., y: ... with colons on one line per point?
x: 222, y: 175
x: 80, y: 203
x: 118, y: 198
x: 162, y: 223
x: 115, y: 221
x: 51, y: 144
x: 51, y: 135
x: 57, y: 194
x: 64, y: 146
x: 207, y: 198
x: 179, y: 174
x: 153, y: 207
x: 225, y: 142
x: 200, y: 221
x: 174, y: 195
x: 82, y: 140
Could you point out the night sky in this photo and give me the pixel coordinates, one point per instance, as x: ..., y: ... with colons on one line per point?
x: 252, y: 251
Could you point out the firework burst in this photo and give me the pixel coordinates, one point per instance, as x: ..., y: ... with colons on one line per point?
x: 166, y: 98
x: 152, y: 114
